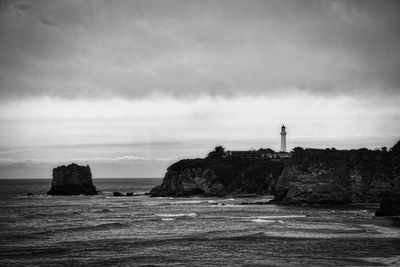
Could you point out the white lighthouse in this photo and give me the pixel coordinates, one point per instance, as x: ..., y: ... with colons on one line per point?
x: 283, y: 139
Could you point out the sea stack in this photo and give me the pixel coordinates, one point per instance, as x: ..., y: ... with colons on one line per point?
x: 72, y: 180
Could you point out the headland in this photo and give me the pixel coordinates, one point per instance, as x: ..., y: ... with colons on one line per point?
x: 303, y: 176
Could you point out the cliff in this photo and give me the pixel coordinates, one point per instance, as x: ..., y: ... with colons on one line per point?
x: 72, y: 180
x: 327, y: 176
x: 218, y: 177
x: 336, y: 176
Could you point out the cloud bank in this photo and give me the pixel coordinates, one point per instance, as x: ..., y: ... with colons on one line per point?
x: 133, y: 49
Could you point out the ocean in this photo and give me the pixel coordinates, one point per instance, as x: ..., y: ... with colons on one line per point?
x: 103, y: 230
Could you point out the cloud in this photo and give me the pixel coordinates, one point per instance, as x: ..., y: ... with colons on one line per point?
x: 23, y: 8
x: 135, y: 49
x: 34, y: 161
x: 160, y: 127
x: 46, y: 21
x: 141, y: 138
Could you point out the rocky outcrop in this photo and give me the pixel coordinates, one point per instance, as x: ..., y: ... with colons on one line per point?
x: 389, y: 206
x: 72, y: 180
x: 328, y: 186
x: 331, y: 176
x: 190, y: 181
x: 311, y: 176
x: 317, y: 185
x: 217, y: 177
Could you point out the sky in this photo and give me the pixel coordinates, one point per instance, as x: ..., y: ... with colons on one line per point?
x: 130, y: 87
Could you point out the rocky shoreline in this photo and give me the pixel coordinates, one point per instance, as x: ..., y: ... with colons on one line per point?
x: 310, y: 176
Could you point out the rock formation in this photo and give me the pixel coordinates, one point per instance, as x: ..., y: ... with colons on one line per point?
x: 218, y: 177
x: 72, y: 180
x: 333, y: 176
x: 188, y: 182
x: 317, y: 176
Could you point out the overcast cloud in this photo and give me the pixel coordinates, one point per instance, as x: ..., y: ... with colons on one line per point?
x: 133, y: 49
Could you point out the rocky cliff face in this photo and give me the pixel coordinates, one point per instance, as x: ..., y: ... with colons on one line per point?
x: 190, y: 182
x: 329, y: 186
x: 218, y: 177
x: 317, y: 185
x: 326, y: 176
x: 333, y: 177
x: 72, y: 180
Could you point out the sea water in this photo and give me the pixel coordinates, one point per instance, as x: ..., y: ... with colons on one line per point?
x: 103, y: 230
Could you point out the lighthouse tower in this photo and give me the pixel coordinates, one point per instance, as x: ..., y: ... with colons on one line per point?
x: 283, y: 139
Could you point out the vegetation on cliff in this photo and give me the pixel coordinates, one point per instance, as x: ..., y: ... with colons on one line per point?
x: 369, y: 163
x: 234, y: 175
x: 338, y: 176
x: 309, y: 176
x: 241, y: 175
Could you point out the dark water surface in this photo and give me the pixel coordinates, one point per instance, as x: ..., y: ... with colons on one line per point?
x: 121, y: 231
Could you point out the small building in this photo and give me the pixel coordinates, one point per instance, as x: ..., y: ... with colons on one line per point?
x: 258, y: 154
x: 263, y: 153
x: 249, y: 154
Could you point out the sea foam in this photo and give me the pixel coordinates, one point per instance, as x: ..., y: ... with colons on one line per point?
x: 262, y: 221
x: 176, y: 215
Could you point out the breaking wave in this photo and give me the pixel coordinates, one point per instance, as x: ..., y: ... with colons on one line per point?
x: 176, y: 215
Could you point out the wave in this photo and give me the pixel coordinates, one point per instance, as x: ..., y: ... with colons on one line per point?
x: 259, y: 220
x: 102, y: 211
x: 106, y: 226
x: 281, y: 216
x: 186, y: 202
x: 176, y: 215
x: 262, y: 221
x: 272, y: 218
x: 351, y: 211
x: 228, y: 205
x: 167, y: 219
x: 66, y: 213
x: 99, y: 227
x: 34, y: 196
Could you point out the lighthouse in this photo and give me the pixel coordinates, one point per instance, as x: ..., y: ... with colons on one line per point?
x: 283, y: 139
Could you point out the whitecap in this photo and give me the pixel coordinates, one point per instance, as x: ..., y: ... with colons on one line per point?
x: 281, y: 216
x: 177, y: 215
x: 167, y: 219
x: 354, y: 211
x: 262, y: 221
x: 187, y: 202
